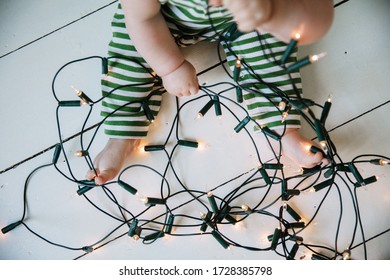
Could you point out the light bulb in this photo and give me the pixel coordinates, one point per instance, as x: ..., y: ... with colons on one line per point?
x: 284, y: 116
x: 347, y: 255
x: 238, y: 62
x: 381, y: 162
x: 305, y: 61
x: 237, y: 69
x: 81, y: 153
x: 315, y: 57
x: 282, y: 105
x: 84, y: 98
x: 246, y: 209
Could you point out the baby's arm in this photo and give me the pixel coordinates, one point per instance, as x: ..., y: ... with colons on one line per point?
x: 153, y: 40
x: 283, y: 18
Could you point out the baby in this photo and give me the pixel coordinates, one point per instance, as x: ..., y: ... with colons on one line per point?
x: 151, y: 30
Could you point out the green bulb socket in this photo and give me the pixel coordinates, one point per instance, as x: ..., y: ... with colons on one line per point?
x: 152, y: 148
x: 154, y: 236
x: 203, y: 227
x: 323, y: 185
x: 206, y: 108
x: 132, y: 228
x: 207, y: 219
x: 293, y: 213
x: 325, y: 111
x: 213, y: 203
x: 84, y: 97
x: 367, y: 181
x: 104, y: 66
x: 299, y: 64
x: 297, y: 239
x: 274, y: 166
x: 169, y: 225
x: 293, y: 192
x: 319, y: 130
x: 284, y: 186
x: 137, y: 233
x: 379, y: 161
x: 148, y: 112
x: 217, y: 106
x: 70, y: 103
x: 57, y: 152
x: 267, y: 131
x: 329, y: 172
x: 230, y: 219
x: 343, y: 168
x: 237, y: 71
x: 289, y: 49
x: 10, y: 227
x: 315, y: 150
x: 87, y: 249
x: 271, y: 236
x: 219, y: 238
x: 239, y: 96
x: 127, y: 187
x: 232, y: 33
x: 312, y: 170
x: 275, y: 238
x: 265, y: 176
x: 295, y: 225
x: 187, y: 143
x: 242, y: 124
x: 84, y: 189
x: 318, y: 257
x: 152, y: 201
x: 356, y: 173
x: 293, y: 251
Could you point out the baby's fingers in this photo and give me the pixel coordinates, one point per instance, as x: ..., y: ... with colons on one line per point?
x: 91, y: 174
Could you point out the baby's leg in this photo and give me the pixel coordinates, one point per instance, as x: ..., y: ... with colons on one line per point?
x: 130, y: 105
x: 131, y: 101
x: 271, y: 83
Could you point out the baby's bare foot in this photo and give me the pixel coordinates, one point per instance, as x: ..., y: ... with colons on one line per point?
x: 109, y: 162
x: 297, y: 148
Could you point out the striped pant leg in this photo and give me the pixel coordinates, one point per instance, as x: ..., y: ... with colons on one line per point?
x: 261, y: 53
x: 267, y: 80
x: 129, y: 81
x: 128, y: 89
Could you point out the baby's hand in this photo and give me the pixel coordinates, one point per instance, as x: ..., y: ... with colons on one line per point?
x: 182, y: 81
x: 249, y: 14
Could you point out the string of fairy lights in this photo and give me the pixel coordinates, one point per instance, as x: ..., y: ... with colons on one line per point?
x: 218, y: 213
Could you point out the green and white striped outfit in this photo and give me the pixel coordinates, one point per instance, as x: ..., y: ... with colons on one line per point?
x: 124, y: 116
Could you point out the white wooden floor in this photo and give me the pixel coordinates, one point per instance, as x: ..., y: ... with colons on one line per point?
x: 33, y: 46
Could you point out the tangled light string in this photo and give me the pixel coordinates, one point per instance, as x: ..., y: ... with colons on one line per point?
x: 218, y: 212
